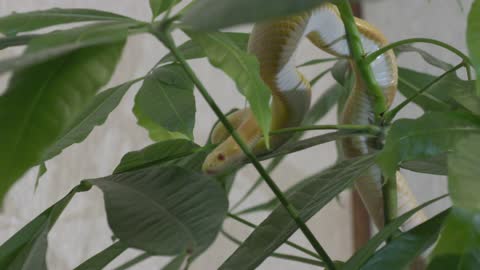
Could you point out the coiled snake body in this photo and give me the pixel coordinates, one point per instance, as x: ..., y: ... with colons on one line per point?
x: 274, y: 44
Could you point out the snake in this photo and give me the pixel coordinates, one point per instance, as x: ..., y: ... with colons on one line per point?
x: 275, y: 43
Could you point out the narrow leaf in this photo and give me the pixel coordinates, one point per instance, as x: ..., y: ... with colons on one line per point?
x: 159, y: 6
x: 430, y: 59
x: 436, y: 165
x: 232, y: 12
x: 308, y: 200
x: 103, y: 258
x: 459, y: 244
x: 164, y: 210
x: 34, y: 20
x: 42, y: 101
x: 176, y: 263
x: 6, y: 42
x: 473, y: 38
x: 166, y: 99
x: 243, y: 68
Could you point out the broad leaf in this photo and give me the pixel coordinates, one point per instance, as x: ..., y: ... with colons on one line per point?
x: 34, y: 20
x: 166, y: 99
x: 192, y: 50
x: 95, y: 114
x: 156, y: 132
x: 473, y: 38
x: 467, y: 98
x: 28, y: 247
x: 164, y: 210
x: 159, y: 6
x: 362, y: 255
x: 233, y: 12
x: 402, y: 250
x: 430, y: 135
x: 176, y: 263
x: 155, y: 154
x: 459, y: 244
x: 41, y: 102
x: 243, y: 68
x: 103, y: 258
x: 308, y: 200
x: 60, y: 43
x: 464, y: 172
x: 433, y: 165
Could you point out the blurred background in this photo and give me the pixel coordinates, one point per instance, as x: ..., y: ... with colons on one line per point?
x: 82, y: 230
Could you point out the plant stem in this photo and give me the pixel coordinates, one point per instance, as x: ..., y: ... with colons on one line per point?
x: 390, y: 115
x: 370, y: 129
x: 390, y: 201
x: 318, y: 61
x: 169, y: 43
x: 291, y: 244
x: 357, y: 54
x: 135, y: 260
x: 278, y: 255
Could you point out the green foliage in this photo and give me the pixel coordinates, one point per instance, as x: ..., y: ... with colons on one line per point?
x: 159, y: 6
x: 166, y: 100
x: 175, y: 210
x: 103, y: 258
x: 243, y: 69
x: 42, y: 101
x: 473, y: 38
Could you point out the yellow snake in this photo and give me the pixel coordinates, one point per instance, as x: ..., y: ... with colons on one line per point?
x: 274, y: 44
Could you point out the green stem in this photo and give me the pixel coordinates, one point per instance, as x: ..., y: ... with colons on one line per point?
x: 318, y: 61
x: 370, y: 129
x: 169, y: 43
x: 291, y: 244
x: 390, y: 201
x: 357, y: 54
x: 277, y: 255
x: 390, y: 115
x: 134, y: 261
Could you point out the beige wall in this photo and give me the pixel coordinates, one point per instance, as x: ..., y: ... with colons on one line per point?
x: 82, y: 230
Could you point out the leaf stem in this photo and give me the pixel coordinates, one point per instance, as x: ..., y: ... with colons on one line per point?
x: 357, y: 54
x: 390, y: 201
x: 390, y: 115
x: 370, y: 129
x: 165, y: 37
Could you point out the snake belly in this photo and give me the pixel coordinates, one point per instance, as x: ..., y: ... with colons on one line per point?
x: 274, y: 43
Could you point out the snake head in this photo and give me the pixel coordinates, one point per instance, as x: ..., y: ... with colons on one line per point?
x: 226, y: 156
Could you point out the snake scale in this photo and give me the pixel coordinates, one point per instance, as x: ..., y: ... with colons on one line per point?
x: 274, y: 43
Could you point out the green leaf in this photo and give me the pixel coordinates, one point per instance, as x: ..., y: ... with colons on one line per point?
x: 467, y: 98
x: 159, y: 6
x: 233, y: 12
x: 166, y: 99
x: 95, y: 114
x: 164, y: 210
x: 402, y: 250
x: 176, y: 263
x: 244, y: 69
x: 58, y: 43
x: 362, y: 255
x: 103, y: 258
x: 27, y: 248
x: 42, y: 101
x: 340, y: 71
x: 42, y: 169
x: 433, y: 165
x: 463, y: 172
x: 317, y: 61
x: 6, y: 42
x: 308, y: 200
x: 459, y: 244
x: 30, y: 21
x: 155, y: 154
x: 192, y: 50
x: 430, y: 59
x: 155, y: 131
x: 473, y: 38
x: 432, y: 134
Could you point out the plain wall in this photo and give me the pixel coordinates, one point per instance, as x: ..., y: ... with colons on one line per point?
x: 82, y: 230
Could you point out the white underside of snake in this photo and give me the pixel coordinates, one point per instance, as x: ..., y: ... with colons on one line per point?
x: 274, y: 43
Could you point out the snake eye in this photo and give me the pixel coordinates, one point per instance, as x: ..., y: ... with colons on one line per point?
x: 221, y: 157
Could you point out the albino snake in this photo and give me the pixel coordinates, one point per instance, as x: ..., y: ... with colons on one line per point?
x: 274, y: 44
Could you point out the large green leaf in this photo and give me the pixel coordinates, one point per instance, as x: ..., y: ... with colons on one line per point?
x: 42, y: 101
x: 95, y: 114
x: 308, y: 200
x: 28, y: 247
x: 473, y: 38
x: 59, y: 43
x: 164, y: 210
x: 159, y: 6
x: 459, y: 244
x: 362, y: 255
x: 467, y: 98
x: 192, y: 50
x: 156, y: 154
x: 402, y: 250
x: 243, y: 68
x: 231, y: 12
x: 156, y: 132
x: 432, y: 134
x: 166, y: 99
x: 464, y: 172
x: 103, y: 258
x: 34, y: 20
